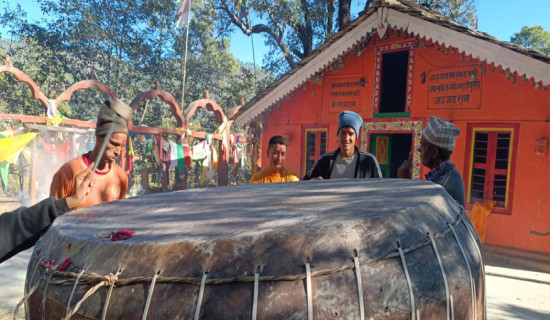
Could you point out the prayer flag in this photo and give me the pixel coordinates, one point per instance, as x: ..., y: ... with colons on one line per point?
x: 214, y: 158
x: 11, y: 132
x: 11, y: 147
x: 183, y: 14
x: 181, y: 158
x: 242, y: 7
x: 4, y: 170
x: 173, y: 154
x: 131, y: 153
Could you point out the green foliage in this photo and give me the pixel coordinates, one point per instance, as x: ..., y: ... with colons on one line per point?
x: 533, y: 37
x: 130, y: 45
x: 293, y: 29
x: 461, y: 11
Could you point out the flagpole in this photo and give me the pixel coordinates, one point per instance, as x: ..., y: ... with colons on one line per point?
x: 185, y: 58
x: 253, y: 56
x: 254, y: 60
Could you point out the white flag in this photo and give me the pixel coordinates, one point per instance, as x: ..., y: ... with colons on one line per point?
x: 183, y: 14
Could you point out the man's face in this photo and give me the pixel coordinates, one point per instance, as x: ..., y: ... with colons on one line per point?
x: 276, y: 155
x: 427, y: 153
x: 114, y: 147
x: 346, y: 140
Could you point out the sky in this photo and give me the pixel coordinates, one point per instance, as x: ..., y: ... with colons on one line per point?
x: 499, y: 18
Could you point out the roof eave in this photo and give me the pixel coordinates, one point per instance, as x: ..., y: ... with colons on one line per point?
x: 478, y: 48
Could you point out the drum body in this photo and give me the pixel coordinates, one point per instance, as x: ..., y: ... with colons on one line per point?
x: 418, y: 255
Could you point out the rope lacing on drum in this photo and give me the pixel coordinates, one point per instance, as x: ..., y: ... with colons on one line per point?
x: 472, y: 284
x: 113, y: 279
x: 448, y: 297
x: 91, y: 278
x: 110, y: 279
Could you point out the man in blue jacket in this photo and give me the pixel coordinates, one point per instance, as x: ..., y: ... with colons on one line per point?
x: 436, y: 146
x: 20, y: 229
x: 347, y: 161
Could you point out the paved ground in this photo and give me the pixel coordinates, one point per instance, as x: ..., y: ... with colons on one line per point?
x: 517, y: 294
x: 511, y: 293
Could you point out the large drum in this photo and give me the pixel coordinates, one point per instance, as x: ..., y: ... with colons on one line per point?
x: 334, y: 249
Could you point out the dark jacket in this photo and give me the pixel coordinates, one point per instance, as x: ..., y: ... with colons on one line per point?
x: 449, y: 178
x: 365, y: 167
x: 20, y: 229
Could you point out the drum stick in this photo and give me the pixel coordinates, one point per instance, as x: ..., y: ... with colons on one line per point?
x: 106, y: 140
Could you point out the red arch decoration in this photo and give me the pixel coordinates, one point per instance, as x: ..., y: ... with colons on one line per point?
x: 206, y: 103
x: 163, y: 96
x: 37, y: 94
x: 83, y: 85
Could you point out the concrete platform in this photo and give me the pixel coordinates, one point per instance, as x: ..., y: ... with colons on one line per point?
x: 518, y: 259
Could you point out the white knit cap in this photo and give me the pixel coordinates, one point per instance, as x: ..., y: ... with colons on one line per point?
x: 441, y: 133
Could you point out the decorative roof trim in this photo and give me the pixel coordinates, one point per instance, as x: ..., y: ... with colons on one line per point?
x: 481, y: 49
x: 317, y: 64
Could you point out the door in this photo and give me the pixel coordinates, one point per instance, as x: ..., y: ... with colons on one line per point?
x: 390, y: 149
x: 380, y: 144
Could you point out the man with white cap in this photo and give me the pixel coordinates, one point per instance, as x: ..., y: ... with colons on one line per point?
x: 347, y: 161
x: 110, y: 182
x: 436, y: 146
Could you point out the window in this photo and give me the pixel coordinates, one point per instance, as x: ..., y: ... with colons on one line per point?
x: 315, y: 146
x: 491, y: 165
x: 393, y: 80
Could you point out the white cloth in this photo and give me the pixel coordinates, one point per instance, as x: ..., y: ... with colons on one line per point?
x: 173, y: 154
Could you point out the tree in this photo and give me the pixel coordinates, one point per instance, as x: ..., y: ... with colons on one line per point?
x: 461, y: 11
x: 534, y: 38
x: 292, y: 28
x: 130, y: 45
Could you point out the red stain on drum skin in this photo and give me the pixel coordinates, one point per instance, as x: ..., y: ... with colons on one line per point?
x: 65, y: 264
x: 122, y: 235
x: 49, y: 263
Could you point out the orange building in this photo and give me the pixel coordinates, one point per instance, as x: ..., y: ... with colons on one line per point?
x: 396, y: 65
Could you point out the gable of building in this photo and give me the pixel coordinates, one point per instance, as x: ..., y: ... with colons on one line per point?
x: 414, y: 21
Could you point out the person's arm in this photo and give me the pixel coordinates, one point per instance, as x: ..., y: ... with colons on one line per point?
x: 60, y: 186
x: 320, y: 169
x: 375, y: 170
x: 255, y: 178
x: 123, y: 185
x: 21, y: 228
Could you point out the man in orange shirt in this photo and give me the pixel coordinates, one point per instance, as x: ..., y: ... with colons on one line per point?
x: 110, y: 182
x: 276, y: 172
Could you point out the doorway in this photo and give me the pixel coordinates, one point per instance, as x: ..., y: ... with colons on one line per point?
x: 390, y: 149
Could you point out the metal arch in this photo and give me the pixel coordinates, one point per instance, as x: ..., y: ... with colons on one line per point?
x: 37, y: 94
x: 83, y: 85
x: 163, y: 96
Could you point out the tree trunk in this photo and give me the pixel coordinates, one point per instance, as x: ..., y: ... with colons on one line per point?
x: 343, y: 13
x: 330, y: 15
